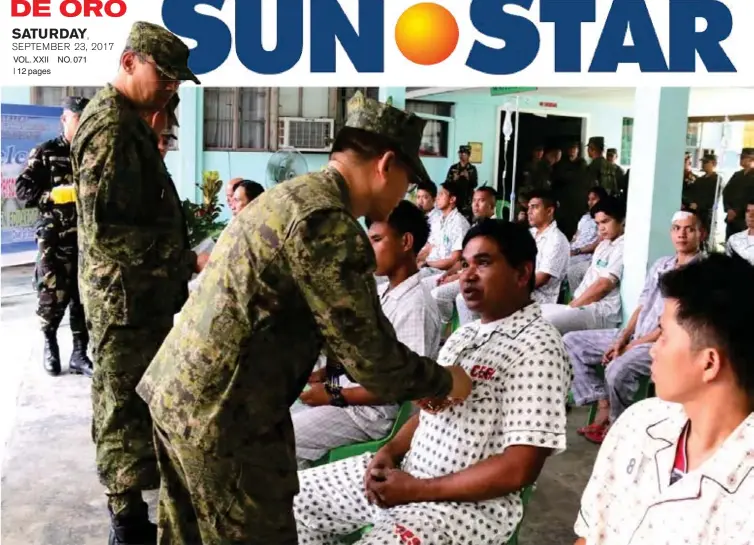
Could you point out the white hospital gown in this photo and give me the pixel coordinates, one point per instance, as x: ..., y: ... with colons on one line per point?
x: 521, y: 378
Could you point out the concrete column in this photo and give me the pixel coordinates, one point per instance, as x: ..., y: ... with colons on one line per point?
x: 190, y: 142
x: 659, y: 142
x: 397, y: 93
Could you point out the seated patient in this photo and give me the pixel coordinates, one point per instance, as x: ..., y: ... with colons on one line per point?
x: 596, y: 302
x: 625, y: 354
x: 679, y: 468
x: 453, y: 473
x: 335, y: 411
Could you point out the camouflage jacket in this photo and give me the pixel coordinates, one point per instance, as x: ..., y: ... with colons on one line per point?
x: 291, y: 275
x: 737, y: 193
x: 604, y: 174
x: 135, y: 261
x: 49, y: 166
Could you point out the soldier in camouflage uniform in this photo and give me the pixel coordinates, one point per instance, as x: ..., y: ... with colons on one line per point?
x: 293, y: 274
x: 135, y: 263
x: 465, y: 175
x: 600, y: 171
x: 46, y: 183
x: 737, y: 193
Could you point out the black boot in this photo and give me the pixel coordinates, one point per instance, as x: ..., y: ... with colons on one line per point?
x: 51, y: 354
x: 132, y: 529
x: 80, y: 364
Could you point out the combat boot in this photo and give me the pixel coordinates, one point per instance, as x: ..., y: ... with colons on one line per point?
x: 80, y: 363
x: 133, y: 529
x: 51, y: 354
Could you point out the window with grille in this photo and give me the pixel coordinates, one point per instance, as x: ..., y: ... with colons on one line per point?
x: 54, y: 96
x: 236, y: 118
x: 435, y: 137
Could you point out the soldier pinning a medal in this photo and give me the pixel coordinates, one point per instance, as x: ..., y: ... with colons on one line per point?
x: 465, y: 175
x: 47, y: 183
x: 135, y: 262
x: 290, y: 277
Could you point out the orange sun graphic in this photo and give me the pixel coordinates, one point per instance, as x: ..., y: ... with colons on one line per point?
x: 426, y: 33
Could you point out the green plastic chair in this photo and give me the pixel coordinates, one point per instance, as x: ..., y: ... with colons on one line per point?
x: 348, y: 451
x: 526, y: 494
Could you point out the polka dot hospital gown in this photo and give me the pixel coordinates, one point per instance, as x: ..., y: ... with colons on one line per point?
x: 521, y: 377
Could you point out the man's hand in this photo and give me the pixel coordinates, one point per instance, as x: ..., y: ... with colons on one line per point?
x: 382, y: 462
x: 462, y: 383
x: 388, y: 488
x: 435, y: 405
x: 201, y: 262
x: 614, y: 351
x: 317, y: 376
x: 447, y: 279
x: 316, y: 396
x: 731, y: 215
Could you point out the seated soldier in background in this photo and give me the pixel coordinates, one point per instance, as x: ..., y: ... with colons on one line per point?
x: 454, y: 476
x: 585, y: 241
x: 625, y: 354
x: 336, y: 411
x: 596, y: 302
x: 447, y: 287
x: 679, y: 468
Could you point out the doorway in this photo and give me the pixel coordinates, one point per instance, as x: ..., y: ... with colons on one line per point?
x: 537, y: 129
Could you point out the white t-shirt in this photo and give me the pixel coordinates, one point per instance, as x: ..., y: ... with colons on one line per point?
x: 607, y: 262
x: 553, y: 252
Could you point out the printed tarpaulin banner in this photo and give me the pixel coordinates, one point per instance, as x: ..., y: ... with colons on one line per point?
x: 21, y: 129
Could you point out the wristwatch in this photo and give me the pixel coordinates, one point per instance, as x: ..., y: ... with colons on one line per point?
x: 336, y: 396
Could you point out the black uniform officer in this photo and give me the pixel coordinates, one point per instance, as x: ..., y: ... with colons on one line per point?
x: 47, y: 183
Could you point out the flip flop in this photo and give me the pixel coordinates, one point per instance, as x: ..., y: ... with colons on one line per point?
x: 589, y: 428
x: 597, y: 436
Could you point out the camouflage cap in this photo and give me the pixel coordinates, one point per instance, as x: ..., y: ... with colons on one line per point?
x: 75, y: 104
x: 463, y: 148
x: 747, y: 152
x: 597, y: 142
x: 403, y: 128
x: 169, y: 53
x: 709, y: 157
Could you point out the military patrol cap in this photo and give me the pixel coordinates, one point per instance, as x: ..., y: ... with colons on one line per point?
x: 403, y: 129
x: 612, y: 151
x: 464, y: 149
x: 747, y: 152
x: 169, y: 53
x: 75, y: 104
x: 709, y: 157
x: 597, y: 142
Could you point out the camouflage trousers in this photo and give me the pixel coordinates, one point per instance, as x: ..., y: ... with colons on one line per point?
x: 56, y: 278
x: 221, y: 501
x: 121, y: 423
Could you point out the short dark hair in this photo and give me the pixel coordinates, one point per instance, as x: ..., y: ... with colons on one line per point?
x: 367, y: 145
x: 610, y: 206
x: 514, y: 240
x: 408, y: 218
x: 251, y: 188
x: 599, y: 192
x: 487, y: 189
x: 429, y: 187
x: 750, y: 202
x: 453, y: 188
x: 715, y: 297
x: 547, y: 197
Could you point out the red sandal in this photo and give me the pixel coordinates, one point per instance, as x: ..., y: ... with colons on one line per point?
x: 594, y: 426
x: 597, y: 436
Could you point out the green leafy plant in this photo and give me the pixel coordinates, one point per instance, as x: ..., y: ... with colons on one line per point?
x: 202, y: 218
